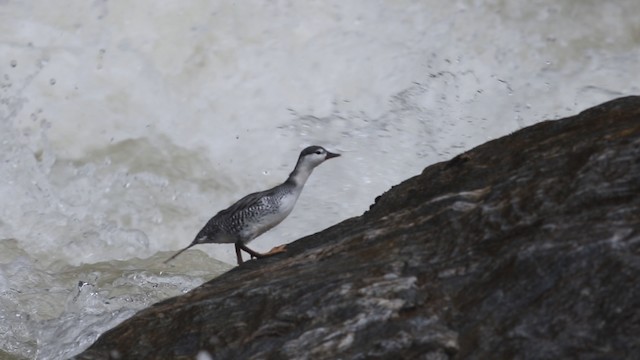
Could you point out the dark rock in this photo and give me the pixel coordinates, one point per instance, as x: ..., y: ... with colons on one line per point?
x: 525, y: 247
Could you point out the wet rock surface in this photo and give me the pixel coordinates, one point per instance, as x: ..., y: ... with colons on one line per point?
x: 525, y: 247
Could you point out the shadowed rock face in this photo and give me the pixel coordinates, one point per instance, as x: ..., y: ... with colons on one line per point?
x: 527, y: 246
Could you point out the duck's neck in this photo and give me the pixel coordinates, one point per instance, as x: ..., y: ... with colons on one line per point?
x: 300, y: 174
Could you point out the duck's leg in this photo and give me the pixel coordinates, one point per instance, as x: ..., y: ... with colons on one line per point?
x: 255, y: 254
x: 239, y: 253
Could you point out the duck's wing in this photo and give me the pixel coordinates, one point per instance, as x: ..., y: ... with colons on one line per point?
x: 248, y: 202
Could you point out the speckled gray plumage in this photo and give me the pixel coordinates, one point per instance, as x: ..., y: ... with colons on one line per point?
x: 233, y: 221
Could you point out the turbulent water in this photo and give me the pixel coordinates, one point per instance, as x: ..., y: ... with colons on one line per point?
x: 125, y: 125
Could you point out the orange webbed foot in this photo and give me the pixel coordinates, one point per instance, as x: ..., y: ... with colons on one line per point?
x: 277, y: 250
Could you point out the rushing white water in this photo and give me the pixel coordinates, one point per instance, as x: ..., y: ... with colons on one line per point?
x: 125, y: 125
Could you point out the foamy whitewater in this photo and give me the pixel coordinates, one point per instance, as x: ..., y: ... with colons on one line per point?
x: 126, y: 125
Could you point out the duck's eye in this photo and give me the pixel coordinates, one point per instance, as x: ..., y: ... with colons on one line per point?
x: 319, y: 152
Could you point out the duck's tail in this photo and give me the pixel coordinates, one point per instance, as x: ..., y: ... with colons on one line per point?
x: 180, y: 252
